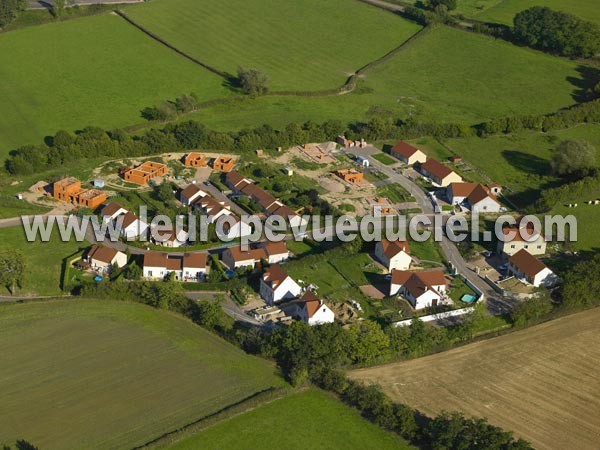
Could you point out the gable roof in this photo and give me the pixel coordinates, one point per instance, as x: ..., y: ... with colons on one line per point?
x: 404, y: 149
x: 233, y: 178
x: 392, y: 248
x: 527, y: 263
x: 463, y: 189
x: 274, y: 276
x: 436, y: 168
x: 522, y: 233
x: 111, y: 209
x: 417, y: 283
x: 195, y: 260
x: 480, y: 193
x: 245, y: 255
x: 190, y: 191
x: 128, y: 219
x: 102, y: 254
x: 275, y: 248
x: 155, y: 259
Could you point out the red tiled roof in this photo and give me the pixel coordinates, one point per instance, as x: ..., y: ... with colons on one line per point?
x: 527, y: 263
x: 155, y: 259
x: 275, y: 248
x: 392, y: 248
x: 436, y: 168
x: 479, y: 193
x: 103, y: 254
x: 195, y: 260
x: 404, y: 149
x: 111, y: 209
x: 174, y: 263
x: 233, y: 178
x: 274, y: 276
x: 462, y: 189
x: 252, y: 254
x: 190, y: 191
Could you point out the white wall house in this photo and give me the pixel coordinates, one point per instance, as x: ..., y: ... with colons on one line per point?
x: 235, y: 257
x: 191, y: 194
x: 407, y: 153
x: 421, y: 289
x: 394, y: 255
x: 515, y: 239
x: 276, y: 286
x: 276, y: 252
x: 103, y: 258
x: 525, y: 266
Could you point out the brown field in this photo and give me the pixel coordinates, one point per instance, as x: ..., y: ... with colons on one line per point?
x: 542, y: 383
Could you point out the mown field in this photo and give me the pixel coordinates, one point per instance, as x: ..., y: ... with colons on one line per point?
x: 303, y: 45
x: 91, y: 71
x: 85, y: 374
x: 541, y: 382
x: 312, y: 419
x: 503, y: 11
x: 43, y: 260
x: 443, y: 74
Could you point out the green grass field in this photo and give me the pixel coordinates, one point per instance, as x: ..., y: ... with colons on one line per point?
x: 503, y: 11
x: 301, y: 45
x: 86, y: 374
x: 43, y: 260
x: 91, y: 71
x: 311, y: 419
x: 444, y: 74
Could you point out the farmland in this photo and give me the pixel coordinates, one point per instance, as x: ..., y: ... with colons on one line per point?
x: 503, y: 11
x: 462, y: 77
x: 304, y: 45
x: 298, y: 421
x: 540, y: 382
x: 43, y: 260
x: 57, y: 85
x: 101, y: 374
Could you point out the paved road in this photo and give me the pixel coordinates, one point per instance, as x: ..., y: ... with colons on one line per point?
x: 496, y: 304
x: 230, y: 308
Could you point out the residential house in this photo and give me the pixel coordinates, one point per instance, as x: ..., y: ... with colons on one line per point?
x: 170, y: 238
x: 394, y: 255
x: 145, y: 172
x: 190, y: 194
x: 194, y: 159
x: 525, y: 266
x: 235, y: 257
x: 124, y: 221
x: 515, y: 238
x: 310, y: 308
x: 103, y: 258
x: 189, y: 267
x: 422, y: 289
x: 439, y: 173
x: 275, y: 252
x: 223, y: 163
x: 232, y: 227
x: 276, y: 286
x: 407, y: 153
x: 474, y: 196
x: 111, y: 211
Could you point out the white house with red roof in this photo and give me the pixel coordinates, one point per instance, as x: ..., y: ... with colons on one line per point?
x: 310, y: 308
x: 276, y: 286
x: 189, y: 267
x: 235, y: 257
x: 422, y: 289
x: 526, y: 267
x: 439, y: 173
x: 191, y: 194
x: 102, y: 258
x: 275, y: 252
x: 474, y: 196
x: 394, y: 255
x: 407, y: 153
x: 124, y: 221
x: 515, y: 238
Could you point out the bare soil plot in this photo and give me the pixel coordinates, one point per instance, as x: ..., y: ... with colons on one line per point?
x: 542, y: 383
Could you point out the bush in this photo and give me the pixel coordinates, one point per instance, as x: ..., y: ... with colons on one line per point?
x: 252, y: 81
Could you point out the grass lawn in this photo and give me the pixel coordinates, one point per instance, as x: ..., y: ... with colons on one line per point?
x: 521, y: 161
x: 455, y: 75
x: 101, y: 374
x: 307, y: 420
x: 95, y: 70
x: 43, y: 260
x: 301, y: 45
x: 384, y: 159
x: 503, y: 11
x: 394, y: 193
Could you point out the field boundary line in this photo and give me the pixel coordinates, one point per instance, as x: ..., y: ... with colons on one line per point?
x: 252, y: 401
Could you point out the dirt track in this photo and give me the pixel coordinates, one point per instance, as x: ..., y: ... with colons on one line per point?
x: 543, y: 383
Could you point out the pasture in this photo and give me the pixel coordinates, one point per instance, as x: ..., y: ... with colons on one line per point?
x: 43, y: 260
x: 99, y: 374
x: 95, y: 70
x: 540, y: 382
x: 304, y: 45
x: 311, y: 419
